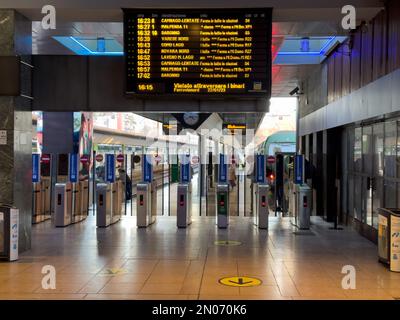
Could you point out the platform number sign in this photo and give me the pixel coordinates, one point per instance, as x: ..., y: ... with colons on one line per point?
x: 147, y: 168
x: 299, y: 169
x: 73, y: 167
x: 223, y: 168
x: 35, y: 167
x: 185, y: 169
x: 260, y: 168
x: 110, y: 168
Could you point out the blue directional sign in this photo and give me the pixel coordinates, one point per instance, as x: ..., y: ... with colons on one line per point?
x: 110, y: 168
x: 147, y: 168
x: 35, y: 167
x: 73, y: 167
x: 223, y: 168
x: 185, y: 169
x: 299, y: 169
x: 260, y: 168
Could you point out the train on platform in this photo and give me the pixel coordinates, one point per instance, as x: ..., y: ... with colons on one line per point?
x: 279, y: 148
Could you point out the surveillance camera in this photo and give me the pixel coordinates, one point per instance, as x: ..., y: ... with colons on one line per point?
x: 294, y: 91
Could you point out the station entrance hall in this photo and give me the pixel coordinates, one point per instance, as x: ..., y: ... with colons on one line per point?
x: 210, y: 150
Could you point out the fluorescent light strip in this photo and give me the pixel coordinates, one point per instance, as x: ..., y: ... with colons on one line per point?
x: 310, y: 53
x: 95, y: 52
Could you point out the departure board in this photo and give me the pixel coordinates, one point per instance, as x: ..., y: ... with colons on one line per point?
x: 198, y: 52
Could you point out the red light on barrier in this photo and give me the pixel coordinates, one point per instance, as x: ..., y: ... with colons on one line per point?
x: 263, y: 202
x: 305, y: 205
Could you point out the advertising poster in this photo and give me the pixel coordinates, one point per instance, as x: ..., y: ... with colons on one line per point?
x: 382, y: 235
x: 14, y: 222
x: 83, y: 139
x: 395, y: 244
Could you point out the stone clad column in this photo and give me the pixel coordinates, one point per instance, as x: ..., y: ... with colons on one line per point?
x: 16, y: 120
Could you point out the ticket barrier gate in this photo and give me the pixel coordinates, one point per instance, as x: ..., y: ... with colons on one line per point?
x: 303, y: 206
x: 76, y: 203
x: 222, y: 205
x: 108, y: 207
x: 37, y: 210
x: 117, y: 201
x: 146, y: 203
x: 103, y: 205
x: 63, y: 204
x: 260, y: 205
x: 84, y: 188
x: 46, y: 198
x: 41, y: 201
x: 80, y: 199
x: 184, y: 208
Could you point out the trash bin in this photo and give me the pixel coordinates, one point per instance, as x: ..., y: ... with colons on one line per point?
x: 389, y: 237
x: 9, y: 225
x: 303, y: 206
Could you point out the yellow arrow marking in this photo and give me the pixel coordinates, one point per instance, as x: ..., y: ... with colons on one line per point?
x: 115, y: 271
x: 240, y: 281
x: 227, y: 243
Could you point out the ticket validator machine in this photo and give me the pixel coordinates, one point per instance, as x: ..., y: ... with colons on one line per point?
x: 105, y: 195
x: 184, y: 197
x: 222, y: 197
x: 65, y: 190
x: 146, y: 199
x: 261, y: 189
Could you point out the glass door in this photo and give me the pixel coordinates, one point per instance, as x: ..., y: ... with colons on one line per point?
x: 378, y: 166
x: 357, y: 166
x: 367, y: 177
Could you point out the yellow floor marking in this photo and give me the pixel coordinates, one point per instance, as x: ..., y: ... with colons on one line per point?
x: 227, y: 243
x: 240, y: 281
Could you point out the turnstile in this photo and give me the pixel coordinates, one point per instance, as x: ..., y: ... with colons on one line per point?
x: 222, y: 205
x: 261, y: 210
x: 63, y: 204
x: 41, y: 201
x: 37, y: 208
x: 146, y: 200
x: 84, y: 188
x: 184, y: 205
x: 117, y: 201
x: 303, y: 206
x: 103, y: 204
x: 76, y: 203
x: 46, y: 197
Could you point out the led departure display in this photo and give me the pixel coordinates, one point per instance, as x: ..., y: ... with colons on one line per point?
x: 198, y: 52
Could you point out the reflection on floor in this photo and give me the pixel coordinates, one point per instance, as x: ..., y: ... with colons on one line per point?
x: 163, y: 262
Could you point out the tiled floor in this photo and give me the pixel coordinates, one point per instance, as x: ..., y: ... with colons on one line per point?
x: 163, y: 262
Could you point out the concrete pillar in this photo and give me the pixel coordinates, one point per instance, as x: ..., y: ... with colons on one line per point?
x: 16, y: 121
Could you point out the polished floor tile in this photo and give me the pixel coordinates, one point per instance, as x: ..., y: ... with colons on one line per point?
x: 163, y: 262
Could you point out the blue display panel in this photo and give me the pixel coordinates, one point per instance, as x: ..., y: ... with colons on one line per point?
x: 73, y: 167
x: 223, y: 169
x: 147, y: 171
x: 185, y: 169
x: 35, y: 167
x: 260, y: 168
x: 110, y: 167
x: 299, y: 169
